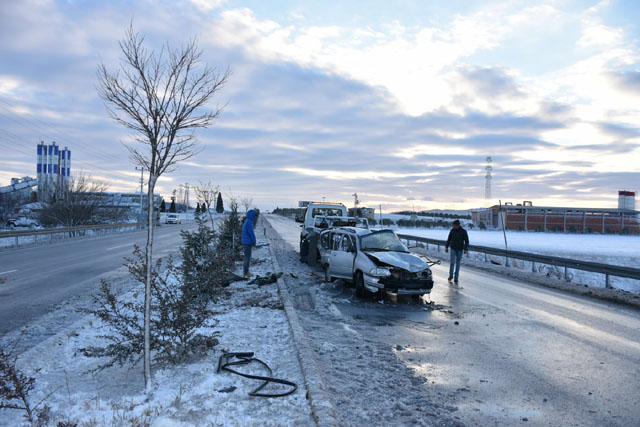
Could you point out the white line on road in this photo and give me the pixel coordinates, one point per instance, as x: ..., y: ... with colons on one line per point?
x: 8, y: 271
x: 121, y: 246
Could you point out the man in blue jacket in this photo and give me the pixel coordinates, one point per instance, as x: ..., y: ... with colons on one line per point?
x: 458, y: 240
x: 248, y: 240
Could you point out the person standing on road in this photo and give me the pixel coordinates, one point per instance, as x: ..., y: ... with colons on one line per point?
x: 248, y: 240
x: 458, y: 240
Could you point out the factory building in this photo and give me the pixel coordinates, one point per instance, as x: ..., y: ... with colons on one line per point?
x: 526, y: 217
x: 53, y: 170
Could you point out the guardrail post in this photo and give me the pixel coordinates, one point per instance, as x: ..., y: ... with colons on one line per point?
x: 17, y: 241
x: 506, y: 262
x: 485, y: 257
x: 533, y: 267
x: 566, y: 274
x: 607, y: 281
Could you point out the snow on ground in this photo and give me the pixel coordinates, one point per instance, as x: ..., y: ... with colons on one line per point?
x: 250, y: 318
x: 603, y: 248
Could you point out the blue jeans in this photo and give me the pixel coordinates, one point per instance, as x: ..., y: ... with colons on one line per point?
x: 247, y: 259
x: 456, y: 257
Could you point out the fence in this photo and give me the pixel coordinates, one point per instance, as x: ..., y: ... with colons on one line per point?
x: 70, y: 231
x: 607, y: 270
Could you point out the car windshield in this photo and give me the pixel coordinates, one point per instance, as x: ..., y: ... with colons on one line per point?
x: 326, y: 212
x: 385, y: 240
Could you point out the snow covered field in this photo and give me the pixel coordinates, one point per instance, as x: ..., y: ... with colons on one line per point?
x: 606, y: 249
x: 250, y: 318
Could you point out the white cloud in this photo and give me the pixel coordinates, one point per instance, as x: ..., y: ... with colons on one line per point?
x: 8, y: 84
x: 208, y: 5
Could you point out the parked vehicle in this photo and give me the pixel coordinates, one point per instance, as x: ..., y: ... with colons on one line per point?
x: 314, y: 209
x: 22, y: 221
x: 173, y: 219
x: 375, y: 261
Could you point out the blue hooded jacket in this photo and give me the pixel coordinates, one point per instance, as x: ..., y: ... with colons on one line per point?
x: 248, y: 236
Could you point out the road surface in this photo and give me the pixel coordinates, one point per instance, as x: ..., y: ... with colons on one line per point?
x: 41, y: 277
x: 492, y: 350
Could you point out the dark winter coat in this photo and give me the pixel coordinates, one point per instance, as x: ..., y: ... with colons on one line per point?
x: 248, y: 236
x: 458, y: 239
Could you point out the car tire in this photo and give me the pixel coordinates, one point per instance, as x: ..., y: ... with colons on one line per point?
x: 361, y: 291
x: 304, y: 250
x: 327, y: 273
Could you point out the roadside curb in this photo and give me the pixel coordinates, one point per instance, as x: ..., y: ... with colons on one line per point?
x: 322, y: 408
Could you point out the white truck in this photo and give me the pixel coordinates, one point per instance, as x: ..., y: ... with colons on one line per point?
x: 319, y: 216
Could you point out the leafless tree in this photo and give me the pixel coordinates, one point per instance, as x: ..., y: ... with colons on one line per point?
x: 246, y: 203
x: 80, y: 203
x: 162, y: 98
x: 206, y: 193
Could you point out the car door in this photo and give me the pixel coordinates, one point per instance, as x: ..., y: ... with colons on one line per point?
x: 342, y: 256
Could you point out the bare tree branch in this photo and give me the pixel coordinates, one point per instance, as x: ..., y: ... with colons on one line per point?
x: 162, y: 98
x: 206, y: 194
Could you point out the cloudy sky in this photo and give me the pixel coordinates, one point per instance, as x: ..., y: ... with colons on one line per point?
x: 398, y: 101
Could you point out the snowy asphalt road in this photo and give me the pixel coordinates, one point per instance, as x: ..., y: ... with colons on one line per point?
x: 40, y: 277
x: 493, y: 350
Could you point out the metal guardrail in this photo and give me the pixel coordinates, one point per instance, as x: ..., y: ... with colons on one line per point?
x: 71, y: 230
x: 606, y: 269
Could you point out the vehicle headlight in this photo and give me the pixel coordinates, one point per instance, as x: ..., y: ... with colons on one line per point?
x: 380, y: 272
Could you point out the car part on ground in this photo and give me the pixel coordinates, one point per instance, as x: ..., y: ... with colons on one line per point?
x: 224, y: 363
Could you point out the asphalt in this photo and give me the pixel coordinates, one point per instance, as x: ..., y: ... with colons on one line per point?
x: 39, y: 278
x: 500, y: 351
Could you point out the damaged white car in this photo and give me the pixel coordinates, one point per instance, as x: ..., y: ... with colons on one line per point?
x: 375, y: 261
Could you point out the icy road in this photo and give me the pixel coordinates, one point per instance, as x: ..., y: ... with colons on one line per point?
x: 491, y: 351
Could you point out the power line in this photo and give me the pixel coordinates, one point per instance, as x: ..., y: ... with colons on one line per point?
x: 48, y: 129
x: 22, y: 148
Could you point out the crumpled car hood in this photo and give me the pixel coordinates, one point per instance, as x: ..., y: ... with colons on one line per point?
x: 402, y: 260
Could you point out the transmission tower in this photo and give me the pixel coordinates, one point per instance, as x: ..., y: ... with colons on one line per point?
x: 487, y: 182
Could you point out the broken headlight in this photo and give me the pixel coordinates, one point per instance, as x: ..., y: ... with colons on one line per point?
x: 380, y: 272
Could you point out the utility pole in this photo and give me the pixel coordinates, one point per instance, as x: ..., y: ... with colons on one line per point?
x: 186, y: 190
x: 487, y: 182
x: 141, y: 186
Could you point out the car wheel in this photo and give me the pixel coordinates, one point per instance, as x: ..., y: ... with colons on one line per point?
x: 304, y: 250
x: 32, y: 226
x: 359, y: 283
x: 327, y: 273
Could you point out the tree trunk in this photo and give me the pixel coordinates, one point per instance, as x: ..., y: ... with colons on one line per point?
x: 147, y: 285
x: 210, y: 216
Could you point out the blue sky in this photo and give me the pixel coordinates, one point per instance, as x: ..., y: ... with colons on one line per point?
x: 398, y: 101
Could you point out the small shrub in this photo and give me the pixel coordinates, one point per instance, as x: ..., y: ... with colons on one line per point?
x: 205, y: 271
x: 14, y: 391
x: 177, y: 311
x: 230, y: 231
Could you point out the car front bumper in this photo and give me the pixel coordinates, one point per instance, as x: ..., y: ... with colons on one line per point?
x: 400, y: 287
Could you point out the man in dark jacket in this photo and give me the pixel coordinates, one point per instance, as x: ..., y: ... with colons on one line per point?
x: 248, y: 240
x: 458, y: 240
